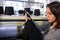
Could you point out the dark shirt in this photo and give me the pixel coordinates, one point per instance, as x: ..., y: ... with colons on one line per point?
x: 31, y: 32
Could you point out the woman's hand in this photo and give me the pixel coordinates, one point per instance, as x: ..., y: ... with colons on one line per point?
x: 26, y: 17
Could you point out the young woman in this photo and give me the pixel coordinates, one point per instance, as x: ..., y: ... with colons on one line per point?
x: 53, y: 16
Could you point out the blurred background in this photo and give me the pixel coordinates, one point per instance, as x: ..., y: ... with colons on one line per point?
x: 12, y: 16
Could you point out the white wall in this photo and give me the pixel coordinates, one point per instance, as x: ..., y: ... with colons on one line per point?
x: 1, y: 2
x: 53, y: 0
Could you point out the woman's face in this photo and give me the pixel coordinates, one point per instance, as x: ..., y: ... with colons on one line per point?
x: 51, y: 18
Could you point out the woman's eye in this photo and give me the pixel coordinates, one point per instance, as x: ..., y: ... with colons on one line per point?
x: 50, y: 13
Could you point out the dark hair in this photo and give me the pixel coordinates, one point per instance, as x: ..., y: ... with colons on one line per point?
x: 55, y: 9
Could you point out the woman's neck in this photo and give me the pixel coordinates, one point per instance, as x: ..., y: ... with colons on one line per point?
x: 54, y: 25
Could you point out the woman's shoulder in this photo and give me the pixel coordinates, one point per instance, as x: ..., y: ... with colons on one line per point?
x: 53, y: 35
